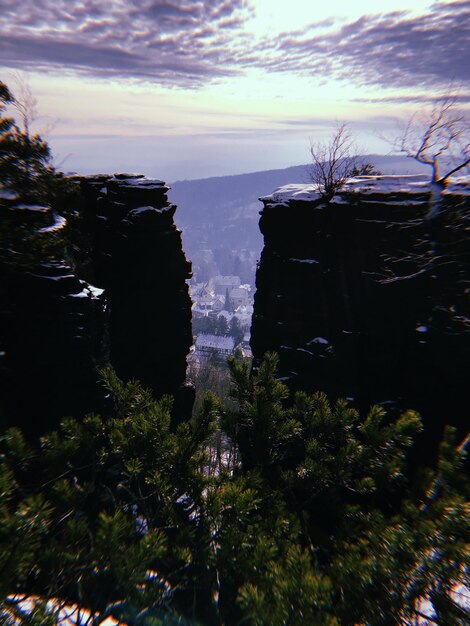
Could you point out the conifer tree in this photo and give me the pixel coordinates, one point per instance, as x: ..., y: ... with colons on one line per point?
x: 314, y: 521
x: 25, y: 159
x: 368, y: 540
x: 27, y: 177
x: 106, y: 514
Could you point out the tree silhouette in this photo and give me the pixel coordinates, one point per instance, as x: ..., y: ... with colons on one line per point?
x: 439, y: 138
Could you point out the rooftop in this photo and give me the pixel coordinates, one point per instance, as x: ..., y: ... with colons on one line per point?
x: 217, y: 342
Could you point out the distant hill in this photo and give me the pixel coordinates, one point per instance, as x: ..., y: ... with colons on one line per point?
x: 221, y: 213
x: 242, y: 188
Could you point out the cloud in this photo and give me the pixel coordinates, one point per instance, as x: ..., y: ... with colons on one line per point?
x: 420, y: 98
x: 189, y: 43
x: 396, y: 49
x: 174, y: 42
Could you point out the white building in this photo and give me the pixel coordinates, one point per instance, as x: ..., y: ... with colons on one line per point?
x: 220, y: 284
x: 244, y: 315
x: 215, y: 344
x: 239, y: 296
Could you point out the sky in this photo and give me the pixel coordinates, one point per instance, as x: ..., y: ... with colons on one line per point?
x: 182, y: 89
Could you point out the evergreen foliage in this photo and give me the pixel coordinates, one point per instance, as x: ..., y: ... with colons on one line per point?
x: 24, y: 159
x: 219, y: 326
x: 27, y: 177
x: 313, y: 521
x: 106, y: 511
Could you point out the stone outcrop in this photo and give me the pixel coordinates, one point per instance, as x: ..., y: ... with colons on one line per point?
x: 367, y: 298
x: 115, y: 294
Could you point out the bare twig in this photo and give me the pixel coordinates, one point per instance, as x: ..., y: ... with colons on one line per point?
x: 438, y: 138
x: 334, y: 162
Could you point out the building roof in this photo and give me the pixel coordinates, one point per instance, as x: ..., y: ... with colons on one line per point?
x: 238, y: 292
x: 216, y: 342
x: 228, y: 281
x: 228, y: 316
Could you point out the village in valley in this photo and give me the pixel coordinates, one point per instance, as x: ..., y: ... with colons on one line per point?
x: 222, y: 311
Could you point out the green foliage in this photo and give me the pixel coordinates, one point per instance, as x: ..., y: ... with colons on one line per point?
x: 27, y: 177
x: 88, y: 516
x: 314, y: 520
x: 216, y: 326
x: 298, y: 593
x: 24, y: 159
x: 375, y: 543
x: 365, y: 169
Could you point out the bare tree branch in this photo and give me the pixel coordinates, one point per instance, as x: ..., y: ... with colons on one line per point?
x: 24, y: 102
x: 334, y: 162
x: 439, y: 138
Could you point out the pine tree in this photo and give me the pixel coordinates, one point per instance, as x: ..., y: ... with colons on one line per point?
x: 25, y: 160
x: 235, y: 330
x: 106, y: 514
x: 228, y: 303
x: 314, y: 520
x: 369, y: 540
x: 27, y: 177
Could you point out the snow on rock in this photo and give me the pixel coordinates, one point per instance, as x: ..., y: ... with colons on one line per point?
x: 54, y: 278
x: 8, y: 195
x: 321, y: 340
x: 304, y: 350
x: 148, y: 209
x: 39, y: 208
x: 55, y: 265
x: 400, y: 183
x: 299, y: 191
x: 308, y: 261
x: 382, y: 184
x: 126, y: 175
x: 58, y: 223
x: 88, y: 291
x: 387, y: 184
x: 422, y: 329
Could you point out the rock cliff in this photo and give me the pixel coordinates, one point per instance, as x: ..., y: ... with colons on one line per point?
x: 367, y: 297
x: 115, y: 294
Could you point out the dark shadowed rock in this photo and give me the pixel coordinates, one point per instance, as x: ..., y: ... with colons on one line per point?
x: 139, y: 261
x: 114, y: 292
x: 366, y: 298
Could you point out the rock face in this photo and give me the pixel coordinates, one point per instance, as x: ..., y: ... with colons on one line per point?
x: 117, y: 295
x: 139, y: 261
x: 367, y: 298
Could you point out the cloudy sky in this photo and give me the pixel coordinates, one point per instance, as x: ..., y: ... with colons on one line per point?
x: 194, y: 88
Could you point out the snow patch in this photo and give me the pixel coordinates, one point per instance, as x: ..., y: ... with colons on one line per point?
x: 382, y: 184
x: 58, y: 223
x: 309, y: 261
x: 88, y: 291
x: 320, y: 340
x: 8, y: 195
x: 54, y: 278
x: 30, y: 207
x: 306, y: 193
x: 147, y: 209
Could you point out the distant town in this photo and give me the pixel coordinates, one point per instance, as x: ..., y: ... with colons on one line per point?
x: 222, y: 311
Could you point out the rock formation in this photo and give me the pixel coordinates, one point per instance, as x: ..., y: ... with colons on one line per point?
x: 116, y: 294
x: 367, y: 298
